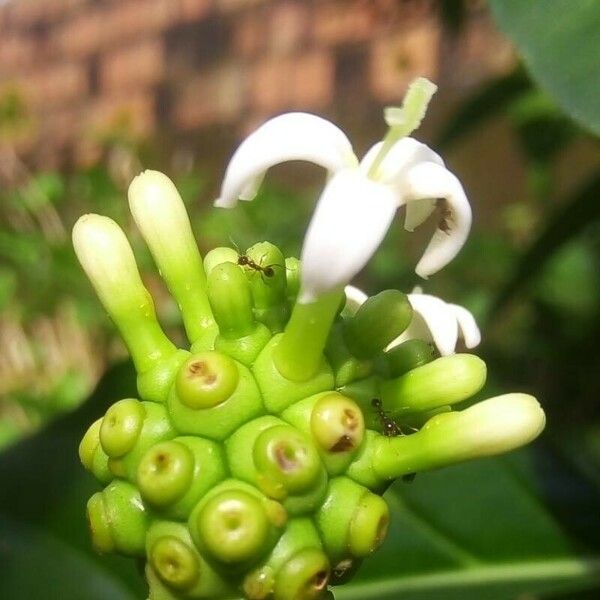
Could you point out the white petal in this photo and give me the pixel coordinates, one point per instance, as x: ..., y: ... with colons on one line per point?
x: 354, y: 299
x: 433, y: 319
x: 403, y: 155
x: 350, y: 221
x: 418, y: 212
x: 467, y: 325
x: 431, y: 180
x: 292, y: 136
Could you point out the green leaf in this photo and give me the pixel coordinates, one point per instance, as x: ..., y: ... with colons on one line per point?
x: 560, y: 45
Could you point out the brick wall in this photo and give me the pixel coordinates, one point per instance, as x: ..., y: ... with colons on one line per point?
x: 188, y: 66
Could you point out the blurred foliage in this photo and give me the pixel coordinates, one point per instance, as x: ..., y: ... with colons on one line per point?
x: 526, y: 524
x: 551, y: 34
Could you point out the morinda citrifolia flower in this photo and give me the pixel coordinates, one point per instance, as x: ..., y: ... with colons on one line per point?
x: 253, y: 462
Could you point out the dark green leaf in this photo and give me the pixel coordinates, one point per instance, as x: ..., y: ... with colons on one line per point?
x: 560, y: 45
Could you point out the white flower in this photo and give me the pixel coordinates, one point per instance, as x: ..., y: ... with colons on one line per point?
x: 441, y: 322
x: 360, y: 199
x: 433, y: 320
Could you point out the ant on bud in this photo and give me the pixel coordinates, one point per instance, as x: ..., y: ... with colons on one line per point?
x: 388, y: 425
x: 245, y: 261
x: 390, y: 429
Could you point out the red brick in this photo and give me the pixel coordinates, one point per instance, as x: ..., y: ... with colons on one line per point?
x: 313, y: 81
x: 249, y: 35
x: 192, y: 10
x: 232, y: 5
x: 16, y: 52
x: 343, y: 22
x: 56, y: 85
x: 396, y: 60
x: 81, y: 35
x: 117, y: 22
x: 29, y: 12
x: 130, y: 114
x: 288, y: 27
x: 137, y: 65
x: 303, y: 82
x: 215, y: 96
x: 136, y: 17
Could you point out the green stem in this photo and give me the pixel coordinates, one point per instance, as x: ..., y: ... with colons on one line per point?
x: 300, y: 351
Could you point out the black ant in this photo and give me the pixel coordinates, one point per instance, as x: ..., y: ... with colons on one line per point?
x: 390, y: 429
x: 246, y: 261
x: 388, y: 425
x: 446, y: 217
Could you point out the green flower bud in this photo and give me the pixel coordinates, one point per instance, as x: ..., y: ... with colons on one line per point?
x: 235, y: 524
x: 161, y: 217
x: 279, y: 392
x: 216, y: 256
x: 334, y: 422
x: 121, y: 427
x: 136, y: 427
x: 107, y: 258
x: 174, y: 560
x: 444, y: 381
x: 407, y: 356
x: 287, y: 462
x: 379, y: 321
x: 154, y: 385
x: 490, y: 427
x: 205, y: 380
x: 91, y: 454
x: 296, y: 568
x: 117, y: 519
x: 346, y: 367
x: 337, y: 423
x: 268, y: 285
x: 304, y: 577
x: 240, y: 445
x: 174, y: 475
x: 352, y: 521
x: 369, y: 525
x: 240, y: 336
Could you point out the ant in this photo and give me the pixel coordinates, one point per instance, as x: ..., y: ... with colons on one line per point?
x: 245, y: 261
x: 389, y: 426
x: 446, y: 217
x: 390, y: 429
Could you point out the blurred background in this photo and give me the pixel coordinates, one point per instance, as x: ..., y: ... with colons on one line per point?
x: 92, y: 92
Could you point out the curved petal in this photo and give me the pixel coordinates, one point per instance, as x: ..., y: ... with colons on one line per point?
x: 467, y: 325
x: 433, y: 319
x: 350, y: 221
x: 292, y: 136
x: 431, y: 180
x: 403, y: 155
